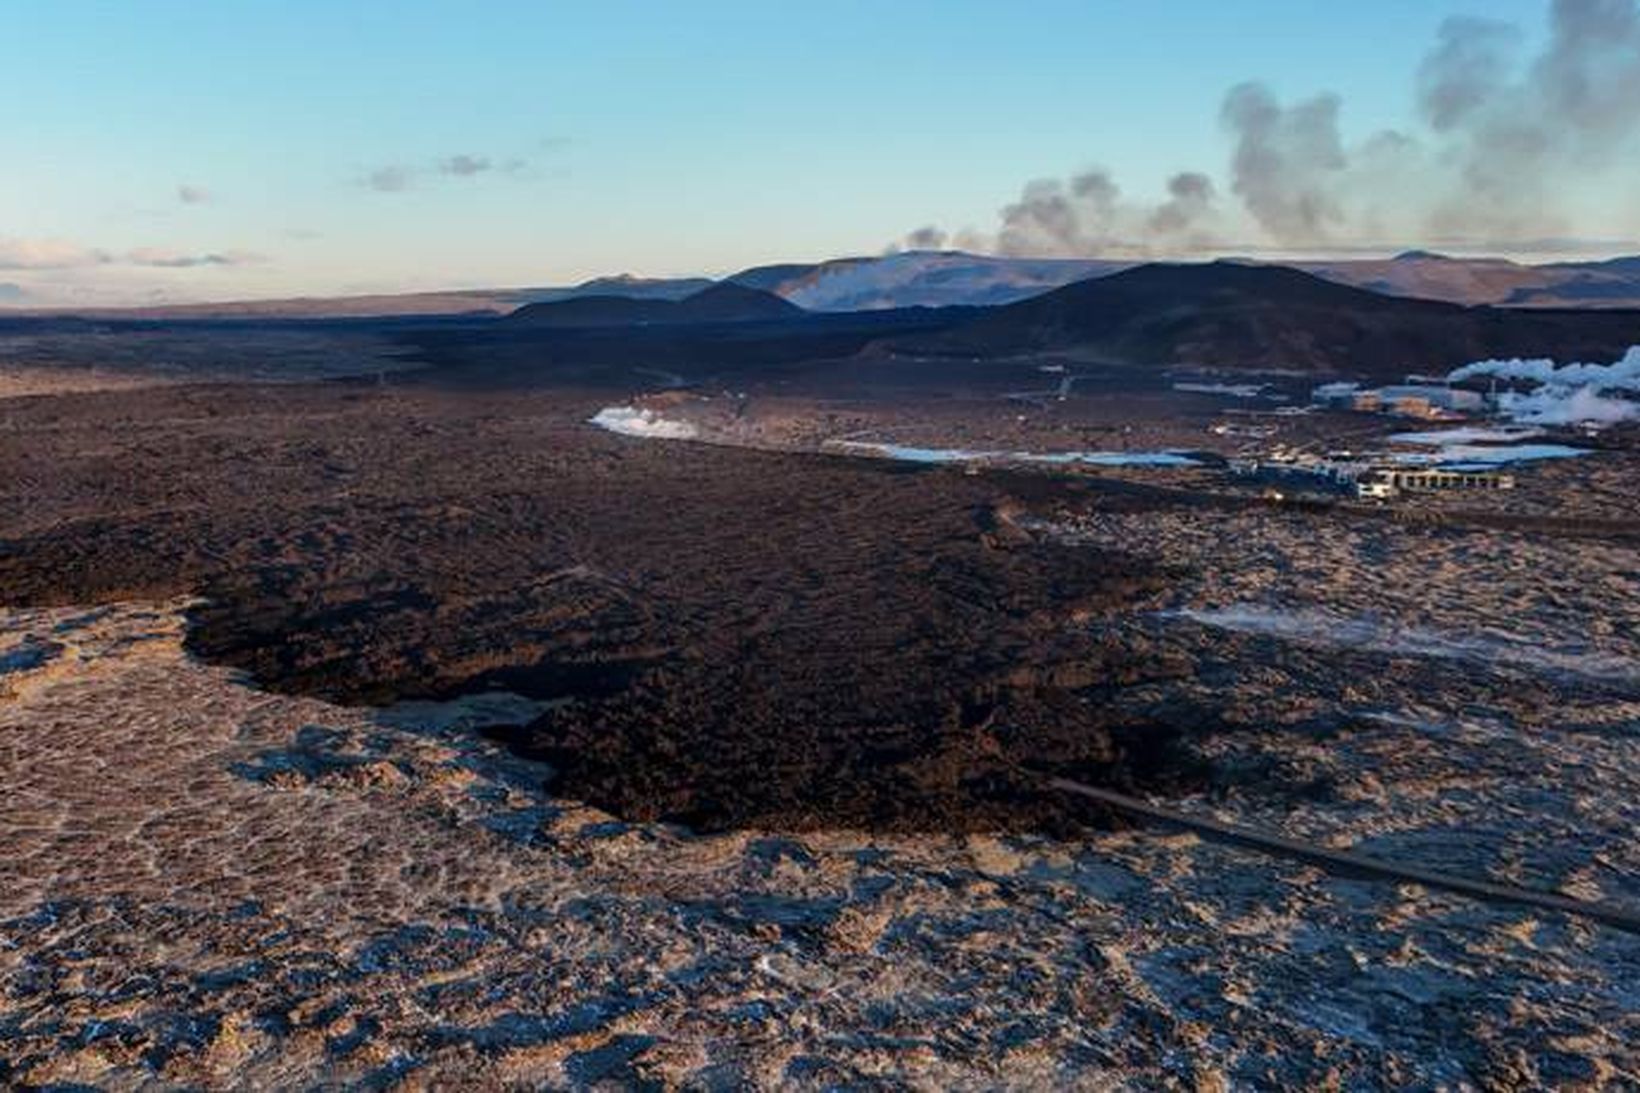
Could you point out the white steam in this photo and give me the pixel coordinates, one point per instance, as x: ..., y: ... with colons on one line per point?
x: 1571, y: 394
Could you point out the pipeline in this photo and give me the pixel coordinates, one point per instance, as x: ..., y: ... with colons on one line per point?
x: 1345, y: 861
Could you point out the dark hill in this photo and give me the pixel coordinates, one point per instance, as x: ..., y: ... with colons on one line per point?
x: 641, y: 288
x: 729, y: 302
x: 1260, y: 317
x: 582, y: 311
x: 719, y: 303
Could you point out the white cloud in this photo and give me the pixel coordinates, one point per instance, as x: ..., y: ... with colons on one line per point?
x: 391, y: 179
x: 394, y: 178
x: 464, y: 166
x: 18, y: 253
x: 163, y: 258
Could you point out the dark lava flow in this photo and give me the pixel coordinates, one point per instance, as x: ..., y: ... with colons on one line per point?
x: 751, y: 638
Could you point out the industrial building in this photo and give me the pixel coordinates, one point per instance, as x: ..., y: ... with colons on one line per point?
x: 1380, y: 483
x: 1370, y: 479
x: 1429, y: 401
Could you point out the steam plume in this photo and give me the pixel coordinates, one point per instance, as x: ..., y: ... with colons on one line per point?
x: 1597, y: 394
x: 1500, y: 141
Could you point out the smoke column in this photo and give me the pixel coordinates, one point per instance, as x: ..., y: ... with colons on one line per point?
x: 1500, y: 138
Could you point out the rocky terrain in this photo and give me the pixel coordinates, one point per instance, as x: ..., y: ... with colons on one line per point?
x: 409, y: 730
x: 209, y: 885
x: 48, y: 357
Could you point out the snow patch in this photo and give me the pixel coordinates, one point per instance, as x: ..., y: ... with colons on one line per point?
x: 632, y: 421
x: 1231, y: 390
x: 936, y: 279
x: 964, y: 455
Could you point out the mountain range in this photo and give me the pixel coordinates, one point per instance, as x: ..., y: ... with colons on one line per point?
x: 945, y: 278
x: 723, y: 302
x: 920, y: 279
x: 954, y: 278
x: 1417, y: 311
x: 1236, y: 315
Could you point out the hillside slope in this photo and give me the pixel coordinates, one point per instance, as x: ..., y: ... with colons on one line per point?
x: 1242, y: 316
x: 719, y: 303
x: 920, y: 279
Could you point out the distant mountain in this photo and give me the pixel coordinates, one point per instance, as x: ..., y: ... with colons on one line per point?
x: 954, y: 278
x: 729, y: 302
x: 1248, y: 316
x: 946, y: 278
x: 717, y: 303
x: 778, y: 277
x: 1622, y: 267
x: 920, y: 279
x: 634, y: 288
x: 591, y: 311
x: 479, y: 301
x: 387, y: 305
x: 1611, y: 283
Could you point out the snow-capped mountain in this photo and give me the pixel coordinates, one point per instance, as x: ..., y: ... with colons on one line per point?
x: 920, y: 279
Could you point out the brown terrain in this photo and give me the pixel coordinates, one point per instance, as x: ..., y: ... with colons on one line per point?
x: 385, y: 727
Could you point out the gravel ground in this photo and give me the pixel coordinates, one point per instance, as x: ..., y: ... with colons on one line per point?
x: 214, y: 874
x: 209, y: 885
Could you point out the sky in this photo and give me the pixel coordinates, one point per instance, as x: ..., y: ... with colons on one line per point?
x: 157, y: 151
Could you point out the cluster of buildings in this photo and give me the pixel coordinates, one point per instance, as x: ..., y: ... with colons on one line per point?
x: 1365, y: 477
x: 1426, y: 401
x: 1382, y: 478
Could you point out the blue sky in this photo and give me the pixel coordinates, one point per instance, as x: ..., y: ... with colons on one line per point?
x: 184, y: 150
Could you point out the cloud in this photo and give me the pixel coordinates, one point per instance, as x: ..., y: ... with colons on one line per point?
x: 58, y: 254
x: 1504, y: 147
x: 160, y: 258
x: 193, y: 195
x: 11, y: 292
x: 21, y: 254
x: 391, y: 179
x: 464, y: 166
x: 927, y: 238
x: 394, y: 178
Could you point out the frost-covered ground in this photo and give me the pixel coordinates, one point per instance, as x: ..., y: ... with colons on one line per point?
x: 205, y: 885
